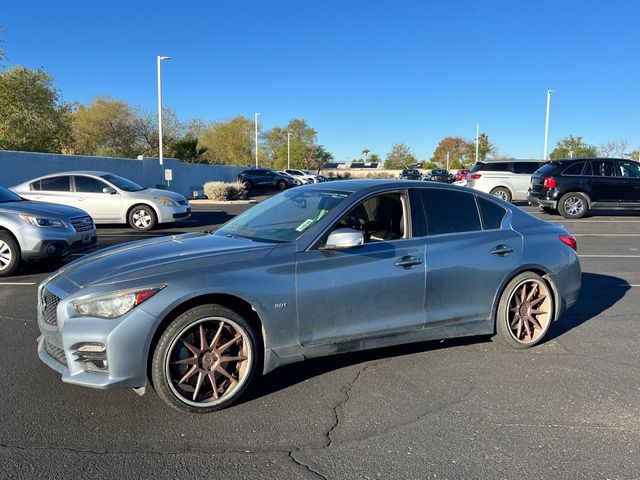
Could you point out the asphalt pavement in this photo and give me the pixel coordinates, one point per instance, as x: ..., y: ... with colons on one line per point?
x: 566, y: 409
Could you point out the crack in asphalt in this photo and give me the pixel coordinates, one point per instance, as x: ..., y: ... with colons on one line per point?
x: 5, y: 317
x: 307, y: 467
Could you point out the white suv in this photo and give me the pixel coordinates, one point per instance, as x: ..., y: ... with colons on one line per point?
x: 509, y: 180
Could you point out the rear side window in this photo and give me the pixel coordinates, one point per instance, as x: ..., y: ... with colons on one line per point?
x: 600, y: 168
x: 525, y: 167
x: 575, y: 169
x: 449, y: 211
x: 492, y: 214
x: 55, y: 184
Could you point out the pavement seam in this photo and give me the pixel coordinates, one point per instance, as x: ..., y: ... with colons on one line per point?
x: 307, y: 467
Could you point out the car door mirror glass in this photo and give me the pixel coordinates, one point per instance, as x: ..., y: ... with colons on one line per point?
x: 344, y: 238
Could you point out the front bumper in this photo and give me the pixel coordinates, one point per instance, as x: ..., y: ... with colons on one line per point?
x: 168, y: 214
x: 44, y: 243
x: 126, y: 341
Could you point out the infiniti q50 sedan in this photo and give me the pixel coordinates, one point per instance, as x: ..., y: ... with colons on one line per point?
x: 316, y: 270
x: 108, y: 198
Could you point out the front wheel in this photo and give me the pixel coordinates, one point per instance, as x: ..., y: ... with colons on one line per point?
x: 282, y: 185
x: 9, y: 254
x: 142, y: 218
x: 204, y: 360
x: 525, y: 311
x: 573, y: 205
x: 502, y: 192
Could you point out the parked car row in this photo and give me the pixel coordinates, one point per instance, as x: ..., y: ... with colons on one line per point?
x: 55, y: 215
x: 268, y: 177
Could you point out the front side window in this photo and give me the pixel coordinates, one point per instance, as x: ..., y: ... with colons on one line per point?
x: 55, y: 184
x: 380, y: 218
x: 122, y: 183
x: 284, y: 217
x: 629, y: 169
x: 449, y: 211
x: 89, y: 185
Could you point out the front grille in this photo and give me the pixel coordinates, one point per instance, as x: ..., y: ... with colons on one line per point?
x: 49, y: 307
x: 55, y: 352
x: 82, y: 224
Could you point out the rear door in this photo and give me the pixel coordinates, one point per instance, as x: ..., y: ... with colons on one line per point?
x: 606, y: 187
x: 54, y: 190
x: 470, y: 250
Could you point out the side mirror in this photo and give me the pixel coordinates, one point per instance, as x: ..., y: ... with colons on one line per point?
x: 344, y: 238
x: 109, y: 190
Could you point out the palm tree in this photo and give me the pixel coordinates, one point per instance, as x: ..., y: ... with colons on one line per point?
x: 365, y: 152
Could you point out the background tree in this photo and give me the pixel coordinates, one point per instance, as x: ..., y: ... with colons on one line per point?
x: 573, y: 147
x: 458, y: 149
x: 365, y: 152
x: 485, y: 149
x: 187, y: 150
x: 399, y: 157
x: 34, y: 118
x: 635, y: 155
x: 229, y: 142
x: 105, y: 127
x: 303, y: 140
x: 315, y: 157
x: 374, y: 157
x: 615, y: 148
x: 145, y: 128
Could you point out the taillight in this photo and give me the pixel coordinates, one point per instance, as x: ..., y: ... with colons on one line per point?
x: 476, y: 176
x: 569, y: 240
x: 550, y: 182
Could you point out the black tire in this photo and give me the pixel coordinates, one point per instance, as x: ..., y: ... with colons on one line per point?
x: 282, y: 185
x: 142, y: 218
x: 573, y: 205
x: 502, y: 192
x: 549, y: 210
x: 511, y: 328
x: 165, y: 372
x: 10, y: 254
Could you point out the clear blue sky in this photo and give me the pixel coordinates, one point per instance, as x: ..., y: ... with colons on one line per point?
x: 365, y: 73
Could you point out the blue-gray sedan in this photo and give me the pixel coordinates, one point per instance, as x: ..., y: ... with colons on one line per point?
x: 313, y: 271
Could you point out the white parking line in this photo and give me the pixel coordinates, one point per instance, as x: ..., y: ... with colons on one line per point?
x: 629, y: 285
x: 595, y: 221
x: 606, y: 234
x: 609, y: 256
x: 17, y: 283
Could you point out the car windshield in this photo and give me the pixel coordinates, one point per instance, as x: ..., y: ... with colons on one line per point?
x: 284, y: 217
x: 8, y: 196
x: 122, y: 183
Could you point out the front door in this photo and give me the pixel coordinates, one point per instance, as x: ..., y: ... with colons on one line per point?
x: 90, y: 197
x: 370, y: 290
x: 606, y: 187
x: 630, y: 172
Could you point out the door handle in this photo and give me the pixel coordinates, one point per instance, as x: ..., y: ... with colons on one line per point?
x: 501, y: 250
x: 408, y: 262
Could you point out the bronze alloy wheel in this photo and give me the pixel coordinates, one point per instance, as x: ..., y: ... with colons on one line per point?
x: 525, y: 311
x: 208, y: 361
x: 529, y: 311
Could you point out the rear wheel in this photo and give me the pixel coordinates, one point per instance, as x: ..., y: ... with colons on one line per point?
x: 282, y: 184
x: 573, y: 205
x: 525, y: 311
x: 205, y: 359
x: 502, y: 192
x: 142, y: 218
x: 9, y: 254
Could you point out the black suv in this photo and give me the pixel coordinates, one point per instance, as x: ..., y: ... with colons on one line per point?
x: 573, y: 187
x: 410, y: 174
x: 265, y: 177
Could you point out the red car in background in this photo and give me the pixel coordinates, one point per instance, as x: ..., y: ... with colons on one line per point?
x: 461, y: 174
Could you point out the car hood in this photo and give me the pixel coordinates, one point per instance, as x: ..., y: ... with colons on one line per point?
x: 150, y: 193
x: 54, y: 210
x: 167, y: 255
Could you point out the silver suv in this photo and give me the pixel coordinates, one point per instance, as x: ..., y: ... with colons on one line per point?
x: 509, y: 180
x: 36, y: 230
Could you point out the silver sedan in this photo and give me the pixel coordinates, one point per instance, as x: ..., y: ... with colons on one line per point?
x: 108, y: 198
x: 316, y: 270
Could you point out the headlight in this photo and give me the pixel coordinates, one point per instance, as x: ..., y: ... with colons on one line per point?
x: 166, y: 201
x: 114, y: 305
x: 42, y: 221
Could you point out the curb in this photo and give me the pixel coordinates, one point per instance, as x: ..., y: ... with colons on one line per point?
x: 222, y: 202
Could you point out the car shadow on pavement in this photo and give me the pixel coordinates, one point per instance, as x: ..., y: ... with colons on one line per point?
x: 598, y: 293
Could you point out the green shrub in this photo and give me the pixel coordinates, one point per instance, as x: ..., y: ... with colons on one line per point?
x: 225, y: 191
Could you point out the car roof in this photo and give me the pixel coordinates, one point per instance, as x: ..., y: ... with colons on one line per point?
x: 372, y: 185
x: 95, y: 173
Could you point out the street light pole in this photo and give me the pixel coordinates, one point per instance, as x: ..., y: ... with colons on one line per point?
x: 160, y: 59
x: 546, y: 126
x: 288, y: 151
x: 256, y: 121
